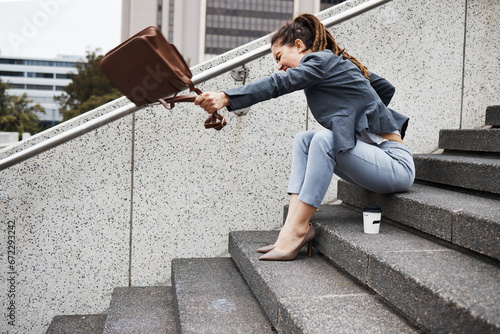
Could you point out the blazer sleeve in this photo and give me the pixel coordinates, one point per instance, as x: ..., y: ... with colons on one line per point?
x: 308, y: 73
x: 385, y: 90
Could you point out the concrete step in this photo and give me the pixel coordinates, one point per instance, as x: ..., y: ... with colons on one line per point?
x: 441, y: 289
x: 77, y: 324
x: 493, y: 116
x: 141, y: 310
x: 466, y: 220
x: 474, y: 140
x: 309, y: 294
x: 469, y: 172
x: 211, y: 296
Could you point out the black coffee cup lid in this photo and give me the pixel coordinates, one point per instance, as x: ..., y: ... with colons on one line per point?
x: 372, y: 209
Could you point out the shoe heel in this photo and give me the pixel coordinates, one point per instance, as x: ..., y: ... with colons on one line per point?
x: 309, y: 248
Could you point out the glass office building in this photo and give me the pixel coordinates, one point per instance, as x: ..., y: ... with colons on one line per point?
x: 201, y: 29
x: 233, y: 23
x: 230, y: 24
x: 40, y: 79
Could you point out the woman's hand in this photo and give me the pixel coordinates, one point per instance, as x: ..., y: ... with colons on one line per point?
x: 211, y: 101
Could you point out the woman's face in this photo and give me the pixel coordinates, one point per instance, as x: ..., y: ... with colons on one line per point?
x: 289, y: 56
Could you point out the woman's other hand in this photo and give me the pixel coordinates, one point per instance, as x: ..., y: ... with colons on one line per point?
x: 211, y: 101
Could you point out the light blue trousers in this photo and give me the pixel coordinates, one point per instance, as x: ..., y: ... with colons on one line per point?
x: 386, y: 168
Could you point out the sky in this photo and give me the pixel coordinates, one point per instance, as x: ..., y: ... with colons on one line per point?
x: 47, y: 28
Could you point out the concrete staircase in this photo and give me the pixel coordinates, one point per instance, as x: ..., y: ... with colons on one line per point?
x: 434, y: 267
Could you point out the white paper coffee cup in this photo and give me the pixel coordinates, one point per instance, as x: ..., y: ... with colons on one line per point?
x: 371, y: 219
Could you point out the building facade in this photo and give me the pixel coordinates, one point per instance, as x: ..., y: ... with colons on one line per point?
x: 41, y: 79
x: 201, y: 29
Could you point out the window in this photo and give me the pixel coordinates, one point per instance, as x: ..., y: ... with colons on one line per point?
x: 39, y: 62
x: 16, y: 86
x: 40, y: 87
x: 64, y: 64
x: 159, y: 14
x: 63, y: 76
x: 11, y: 74
x: 40, y: 75
x: 171, y: 7
x: 12, y: 61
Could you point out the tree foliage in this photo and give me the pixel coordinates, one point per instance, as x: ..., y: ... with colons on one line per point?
x: 3, y: 95
x: 17, y: 113
x: 88, y: 89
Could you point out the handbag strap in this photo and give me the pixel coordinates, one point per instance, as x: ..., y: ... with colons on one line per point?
x: 216, y: 120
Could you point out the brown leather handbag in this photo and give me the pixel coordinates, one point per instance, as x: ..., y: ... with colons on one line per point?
x: 146, y: 68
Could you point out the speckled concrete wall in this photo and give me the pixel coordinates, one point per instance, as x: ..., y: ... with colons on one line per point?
x: 65, y: 225
x: 157, y: 185
x: 482, y: 61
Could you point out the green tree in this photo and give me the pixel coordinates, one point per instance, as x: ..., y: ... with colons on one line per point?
x: 88, y: 89
x: 3, y: 95
x: 17, y: 113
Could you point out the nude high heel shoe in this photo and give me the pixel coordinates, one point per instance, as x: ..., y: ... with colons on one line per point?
x: 266, y: 249
x: 274, y: 255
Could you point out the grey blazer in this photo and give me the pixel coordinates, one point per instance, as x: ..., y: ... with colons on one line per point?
x: 339, y: 96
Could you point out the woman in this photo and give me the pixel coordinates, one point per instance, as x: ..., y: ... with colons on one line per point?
x: 362, y: 142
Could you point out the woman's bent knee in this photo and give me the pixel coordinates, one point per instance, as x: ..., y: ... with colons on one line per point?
x: 302, y: 140
x: 304, y: 137
x: 323, y: 140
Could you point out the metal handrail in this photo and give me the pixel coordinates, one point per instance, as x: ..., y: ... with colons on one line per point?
x: 197, y: 79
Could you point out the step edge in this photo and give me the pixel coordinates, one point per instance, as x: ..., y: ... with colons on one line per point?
x: 250, y: 297
x: 456, y: 218
x: 370, y: 257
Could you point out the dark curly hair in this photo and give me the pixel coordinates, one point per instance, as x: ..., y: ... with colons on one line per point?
x: 309, y: 29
